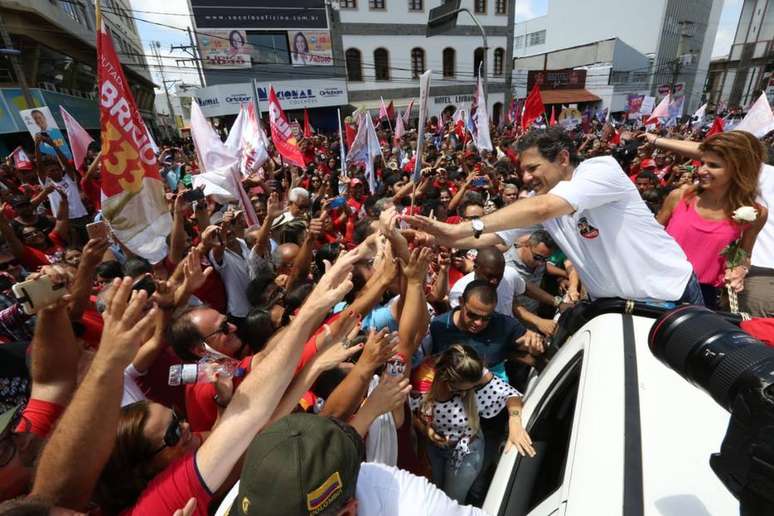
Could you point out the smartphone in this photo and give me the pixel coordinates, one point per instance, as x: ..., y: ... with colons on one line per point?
x: 479, y: 182
x: 97, y: 229
x: 197, y: 194
x: 337, y: 202
x: 145, y: 283
x: 37, y: 294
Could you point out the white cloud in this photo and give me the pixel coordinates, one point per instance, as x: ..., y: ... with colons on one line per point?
x: 723, y: 42
x: 524, y: 11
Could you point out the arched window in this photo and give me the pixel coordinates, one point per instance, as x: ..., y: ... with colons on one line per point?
x: 478, y: 57
x: 497, y: 112
x: 354, y: 65
x: 499, y: 58
x: 417, y: 62
x: 448, y: 62
x: 382, y: 64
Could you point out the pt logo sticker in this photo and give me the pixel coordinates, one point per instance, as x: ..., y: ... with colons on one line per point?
x: 587, y: 230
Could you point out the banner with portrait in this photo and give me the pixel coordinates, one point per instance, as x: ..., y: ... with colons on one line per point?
x: 224, y: 49
x: 40, y: 120
x: 310, y: 48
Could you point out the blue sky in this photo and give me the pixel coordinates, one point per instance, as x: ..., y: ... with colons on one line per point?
x: 175, y: 13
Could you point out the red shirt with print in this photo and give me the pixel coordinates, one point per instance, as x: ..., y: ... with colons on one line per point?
x: 34, y: 258
x: 90, y: 188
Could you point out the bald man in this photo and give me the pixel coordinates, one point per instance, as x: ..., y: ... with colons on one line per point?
x: 490, y: 266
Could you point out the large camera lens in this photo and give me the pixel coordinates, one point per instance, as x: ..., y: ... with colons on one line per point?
x: 707, y: 350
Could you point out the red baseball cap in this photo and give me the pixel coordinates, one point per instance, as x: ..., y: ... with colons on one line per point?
x: 648, y: 163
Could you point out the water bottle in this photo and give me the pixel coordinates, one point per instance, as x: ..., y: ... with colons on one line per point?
x: 205, y: 371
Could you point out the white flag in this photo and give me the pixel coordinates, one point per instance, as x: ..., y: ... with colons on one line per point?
x: 365, y: 149
x: 483, y: 140
x: 698, y: 117
x: 759, y: 120
x: 424, y: 92
x: 661, y: 111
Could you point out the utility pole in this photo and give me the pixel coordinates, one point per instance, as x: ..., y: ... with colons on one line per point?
x: 193, y: 51
x: 511, y: 11
x: 156, y: 46
x: 684, y: 27
x: 12, y: 54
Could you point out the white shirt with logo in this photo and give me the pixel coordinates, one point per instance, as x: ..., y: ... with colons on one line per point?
x: 613, y: 239
x: 763, y: 250
x: 74, y: 202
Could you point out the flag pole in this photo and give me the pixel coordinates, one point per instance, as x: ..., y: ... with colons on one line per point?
x: 342, y: 152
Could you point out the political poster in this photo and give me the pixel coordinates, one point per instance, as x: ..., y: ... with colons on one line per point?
x: 39, y: 120
x: 224, y: 49
x: 310, y: 48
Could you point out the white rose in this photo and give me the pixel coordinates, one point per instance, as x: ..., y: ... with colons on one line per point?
x: 745, y: 214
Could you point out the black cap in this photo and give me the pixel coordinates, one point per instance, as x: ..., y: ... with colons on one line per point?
x: 302, y: 464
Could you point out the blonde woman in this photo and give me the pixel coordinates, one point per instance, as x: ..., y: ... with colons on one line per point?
x: 701, y: 217
x: 453, y: 390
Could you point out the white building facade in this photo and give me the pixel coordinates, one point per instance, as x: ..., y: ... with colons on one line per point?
x: 677, y: 35
x: 386, y: 50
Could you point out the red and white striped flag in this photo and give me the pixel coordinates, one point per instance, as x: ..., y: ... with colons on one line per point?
x: 20, y: 159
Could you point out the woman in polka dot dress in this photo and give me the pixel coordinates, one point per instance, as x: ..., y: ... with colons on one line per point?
x: 451, y: 391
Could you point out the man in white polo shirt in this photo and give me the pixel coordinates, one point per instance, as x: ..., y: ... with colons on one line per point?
x: 595, y: 214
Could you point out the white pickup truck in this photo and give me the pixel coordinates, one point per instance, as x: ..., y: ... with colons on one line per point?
x: 616, y: 431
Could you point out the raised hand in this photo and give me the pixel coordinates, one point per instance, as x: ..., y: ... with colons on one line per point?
x: 389, y: 394
x: 333, y: 346
x: 418, y: 264
x: 273, y: 206
x: 194, y: 275
x: 125, y: 322
x: 378, y: 349
x: 532, y: 342
x: 440, y: 230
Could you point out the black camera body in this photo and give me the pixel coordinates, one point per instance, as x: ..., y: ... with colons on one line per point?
x: 738, y: 372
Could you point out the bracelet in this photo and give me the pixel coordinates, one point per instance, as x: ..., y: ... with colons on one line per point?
x: 219, y: 402
x: 514, y: 413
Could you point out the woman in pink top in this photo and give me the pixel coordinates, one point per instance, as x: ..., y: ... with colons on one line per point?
x: 700, y: 216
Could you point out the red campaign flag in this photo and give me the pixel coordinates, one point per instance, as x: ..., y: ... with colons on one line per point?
x: 282, y: 133
x: 349, y: 134
x: 307, y: 126
x: 552, y: 120
x: 616, y: 138
x: 533, y: 107
x: 133, y: 199
x: 717, y: 127
x: 390, y: 111
x: 20, y: 159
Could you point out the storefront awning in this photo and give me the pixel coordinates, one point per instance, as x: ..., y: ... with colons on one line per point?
x: 369, y: 105
x: 568, y: 96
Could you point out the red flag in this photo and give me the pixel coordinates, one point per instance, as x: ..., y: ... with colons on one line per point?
x: 132, y: 190
x: 616, y: 138
x: 390, y: 111
x: 307, y: 126
x: 552, y: 120
x: 717, y: 127
x: 349, y: 134
x: 382, y: 112
x: 533, y: 107
x: 407, y: 113
x: 282, y: 133
x: 77, y: 136
x: 20, y: 159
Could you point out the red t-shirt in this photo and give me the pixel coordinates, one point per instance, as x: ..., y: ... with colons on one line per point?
x: 91, y: 188
x: 93, y: 324
x: 171, y: 489
x: 34, y: 258
x: 39, y: 417
x: 200, y: 406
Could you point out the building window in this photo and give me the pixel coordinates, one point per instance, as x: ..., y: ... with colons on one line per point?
x: 478, y: 57
x: 376, y: 4
x: 501, y: 7
x: 417, y: 62
x: 518, y: 42
x: 348, y: 4
x: 619, y: 77
x: 480, y: 7
x: 382, y: 64
x: 448, y: 62
x: 499, y: 57
x: 268, y: 47
x: 536, y: 38
x: 416, y: 5
x: 354, y: 65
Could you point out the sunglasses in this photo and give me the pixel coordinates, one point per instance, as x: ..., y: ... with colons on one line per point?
x: 224, y: 327
x: 173, y: 433
x: 539, y: 257
x: 477, y: 317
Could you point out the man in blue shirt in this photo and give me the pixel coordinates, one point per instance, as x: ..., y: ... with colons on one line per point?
x: 494, y: 336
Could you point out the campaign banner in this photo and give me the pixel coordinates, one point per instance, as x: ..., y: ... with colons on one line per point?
x: 224, y: 49
x: 310, y: 48
x: 40, y: 120
x: 260, y: 14
x: 648, y: 105
x: 282, y: 133
x: 132, y: 190
x: 634, y: 105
